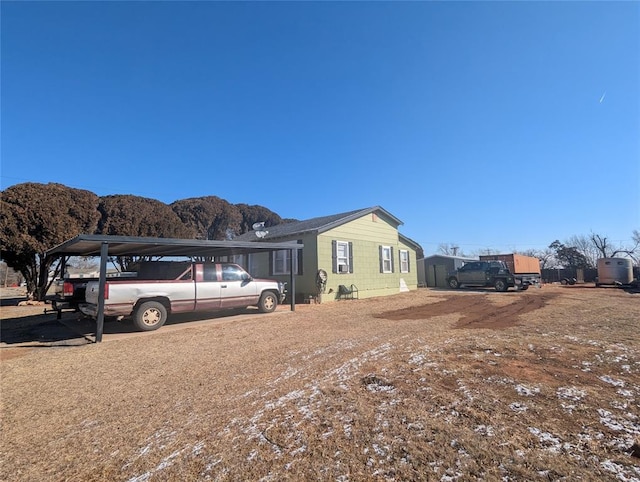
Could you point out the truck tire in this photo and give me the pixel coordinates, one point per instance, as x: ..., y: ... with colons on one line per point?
x: 149, y: 316
x: 501, y: 285
x: 524, y: 287
x: 268, y: 302
x: 453, y: 283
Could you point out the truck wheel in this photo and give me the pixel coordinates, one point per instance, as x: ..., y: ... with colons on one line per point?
x: 501, y: 285
x: 453, y: 283
x: 268, y: 302
x: 149, y: 316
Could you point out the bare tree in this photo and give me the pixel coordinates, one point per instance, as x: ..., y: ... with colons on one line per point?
x: 602, y: 244
x: 607, y: 250
x: 546, y: 256
x: 450, y: 249
x: 585, y: 246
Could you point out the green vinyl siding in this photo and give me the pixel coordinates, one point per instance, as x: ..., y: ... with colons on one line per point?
x: 366, y: 234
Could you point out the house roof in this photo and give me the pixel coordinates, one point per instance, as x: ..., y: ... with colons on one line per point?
x: 409, y: 241
x: 317, y: 225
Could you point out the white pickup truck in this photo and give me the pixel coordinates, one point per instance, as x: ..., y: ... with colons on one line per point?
x: 165, y: 287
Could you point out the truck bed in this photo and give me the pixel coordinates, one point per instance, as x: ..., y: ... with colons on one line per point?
x: 517, y: 263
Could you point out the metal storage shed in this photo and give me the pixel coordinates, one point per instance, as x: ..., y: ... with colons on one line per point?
x: 433, y: 270
x: 105, y: 246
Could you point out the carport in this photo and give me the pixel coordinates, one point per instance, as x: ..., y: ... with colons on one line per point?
x: 105, y: 246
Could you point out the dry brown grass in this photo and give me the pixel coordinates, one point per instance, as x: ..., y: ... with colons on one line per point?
x: 427, y: 385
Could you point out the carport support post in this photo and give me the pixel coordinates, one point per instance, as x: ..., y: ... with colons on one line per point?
x: 292, y: 282
x: 104, y: 252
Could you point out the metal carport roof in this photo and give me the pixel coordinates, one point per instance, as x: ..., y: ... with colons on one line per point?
x: 105, y: 246
x: 91, y: 244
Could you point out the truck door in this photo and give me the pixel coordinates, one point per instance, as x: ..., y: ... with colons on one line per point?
x: 237, y: 289
x: 208, y: 290
x: 470, y: 274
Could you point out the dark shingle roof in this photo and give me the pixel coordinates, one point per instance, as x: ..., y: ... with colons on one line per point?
x: 318, y: 225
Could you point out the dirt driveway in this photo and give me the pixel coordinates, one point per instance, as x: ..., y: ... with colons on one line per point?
x: 425, y: 385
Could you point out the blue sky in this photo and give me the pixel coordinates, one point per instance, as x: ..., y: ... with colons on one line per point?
x: 502, y: 125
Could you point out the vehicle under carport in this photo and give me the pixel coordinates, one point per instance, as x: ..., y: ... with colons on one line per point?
x: 105, y: 246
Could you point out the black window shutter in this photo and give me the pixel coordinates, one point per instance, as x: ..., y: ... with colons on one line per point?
x: 299, y: 253
x: 381, y: 261
x: 270, y: 263
x: 392, y: 260
x: 408, y: 263
x: 350, y: 257
x: 334, y: 256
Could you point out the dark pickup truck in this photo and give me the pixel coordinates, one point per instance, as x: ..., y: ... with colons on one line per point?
x: 487, y: 273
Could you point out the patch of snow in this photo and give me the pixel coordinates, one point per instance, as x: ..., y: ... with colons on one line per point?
x: 611, y: 381
x: 140, y: 478
x: 464, y: 389
x: 571, y: 393
x: 620, y: 471
x: 417, y: 359
x: 299, y: 450
x: 164, y: 463
x: 527, y: 391
x: 548, y: 439
x: 486, y: 430
x: 380, y: 451
x: 197, y: 448
x: 377, y: 387
x: 518, y: 407
x: 609, y: 420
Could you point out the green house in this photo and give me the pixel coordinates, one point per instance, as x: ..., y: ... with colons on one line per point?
x: 357, y: 254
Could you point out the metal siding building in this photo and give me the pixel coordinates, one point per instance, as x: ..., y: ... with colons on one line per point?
x: 433, y: 270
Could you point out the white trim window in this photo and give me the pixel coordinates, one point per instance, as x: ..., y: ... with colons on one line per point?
x: 342, y: 256
x: 404, y: 261
x: 282, y: 262
x: 386, y: 259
